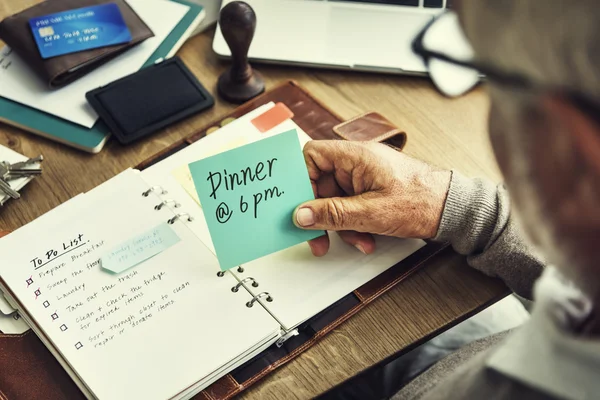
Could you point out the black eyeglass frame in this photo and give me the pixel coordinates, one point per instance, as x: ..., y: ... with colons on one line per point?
x: 491, y: 73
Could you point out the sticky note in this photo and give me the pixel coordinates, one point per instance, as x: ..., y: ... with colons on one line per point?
x: 273, y: 117
x: 248, y: 196
x: 183, y: 175
x: 139, y: 248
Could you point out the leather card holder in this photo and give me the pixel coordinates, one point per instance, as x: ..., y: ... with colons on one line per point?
x: 62, y: 70
x: 371, y: 127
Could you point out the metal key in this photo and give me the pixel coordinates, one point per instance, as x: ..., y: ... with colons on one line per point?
x: 26, y: 163
x: 19, y: 173
x: 10, y: 171
x: 5, y: 188
x: 3, y: 170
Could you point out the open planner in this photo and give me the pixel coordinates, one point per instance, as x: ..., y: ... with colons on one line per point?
x: 173, y: 324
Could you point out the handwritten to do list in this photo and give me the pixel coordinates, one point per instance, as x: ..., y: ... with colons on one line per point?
x: 248, y: 195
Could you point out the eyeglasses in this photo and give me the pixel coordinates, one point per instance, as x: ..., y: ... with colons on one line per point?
x: 448, y: 22
x: 447, y: 55
x: 456, y: 62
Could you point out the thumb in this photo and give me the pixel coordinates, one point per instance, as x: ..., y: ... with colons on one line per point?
x: 334, y: 213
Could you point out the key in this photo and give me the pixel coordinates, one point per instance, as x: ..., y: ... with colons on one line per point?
x: 18, y: 173
x: 3, y: 170
x: 5, y: 188
x: 12, y: 177
x: 25, y: 163
x: 9, y: 171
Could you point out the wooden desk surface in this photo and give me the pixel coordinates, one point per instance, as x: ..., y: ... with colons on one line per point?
x: 449, y: 133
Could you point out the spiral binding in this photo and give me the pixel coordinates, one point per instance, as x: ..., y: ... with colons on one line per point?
x: 161, y: 191
x: 269, y: 298
x: 158, y: 207
x: 222, y: 273
x: 237, y: 287
x: 171, y: 221
x: 154, y: 189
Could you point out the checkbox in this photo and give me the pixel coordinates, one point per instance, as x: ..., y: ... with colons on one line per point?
x: 46, y: 304
x: 63, y: 327
x: 38, y: 293
x: 54, y: 316
x: 78, y: 345
x: 29, y: 282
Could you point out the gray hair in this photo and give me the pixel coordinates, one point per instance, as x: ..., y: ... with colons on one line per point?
x: 554, y: 42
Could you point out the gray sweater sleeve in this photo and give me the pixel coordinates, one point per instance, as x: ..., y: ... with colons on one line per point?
x: 477, y: 222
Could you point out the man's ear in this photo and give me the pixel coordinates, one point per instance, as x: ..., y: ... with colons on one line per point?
x: 584, y: 130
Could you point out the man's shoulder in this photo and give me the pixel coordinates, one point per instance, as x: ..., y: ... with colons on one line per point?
x: 464, y: 375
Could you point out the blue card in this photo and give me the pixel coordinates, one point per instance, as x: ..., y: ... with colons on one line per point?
x: 248, y: 196
x: 79, y: 30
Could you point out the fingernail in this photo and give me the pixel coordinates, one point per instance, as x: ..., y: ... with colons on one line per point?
x: 359, y: 247
x: 305, y: 217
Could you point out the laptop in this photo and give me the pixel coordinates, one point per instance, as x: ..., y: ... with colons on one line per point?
x: 362, y: 35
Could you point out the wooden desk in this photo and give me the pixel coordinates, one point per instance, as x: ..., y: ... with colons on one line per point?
x: 449, y: 133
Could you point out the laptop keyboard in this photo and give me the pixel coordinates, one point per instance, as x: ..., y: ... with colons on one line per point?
x: 433, y: 3
x: 412, y: 3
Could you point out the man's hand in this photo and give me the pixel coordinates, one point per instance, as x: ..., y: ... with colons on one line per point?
x: 369, y: 188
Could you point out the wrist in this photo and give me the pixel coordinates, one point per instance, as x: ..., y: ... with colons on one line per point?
x: 440, y: 186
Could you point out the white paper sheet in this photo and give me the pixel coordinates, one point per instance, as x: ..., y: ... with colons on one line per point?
x: 19, y: 83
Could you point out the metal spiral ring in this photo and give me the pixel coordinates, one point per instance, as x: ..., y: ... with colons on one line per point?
x: 237, y: 287
x: 154, y: 189
x: 179, y: 216
x: 221, y: 274
x: 258, y: 296
x: 164, y: 203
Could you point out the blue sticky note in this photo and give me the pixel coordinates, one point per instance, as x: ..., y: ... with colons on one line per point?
x: 139, y: 249
x: 79, y: 30
x: 248, y: 196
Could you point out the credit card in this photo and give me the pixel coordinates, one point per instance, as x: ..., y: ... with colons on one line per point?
x: 79, y: 30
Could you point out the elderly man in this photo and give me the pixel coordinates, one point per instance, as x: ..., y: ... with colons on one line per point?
x: 542, y: 61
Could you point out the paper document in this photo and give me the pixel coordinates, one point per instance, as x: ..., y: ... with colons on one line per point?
x: 19, y: 83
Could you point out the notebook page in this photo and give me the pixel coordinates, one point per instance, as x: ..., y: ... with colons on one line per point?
x: 151, y: 332
x: 302, y: 285
x: 5, y: 307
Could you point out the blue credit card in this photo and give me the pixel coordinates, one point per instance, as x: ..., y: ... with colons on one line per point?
x: 79, y: 30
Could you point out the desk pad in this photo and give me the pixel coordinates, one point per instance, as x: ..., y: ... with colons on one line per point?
x: 28, y: 369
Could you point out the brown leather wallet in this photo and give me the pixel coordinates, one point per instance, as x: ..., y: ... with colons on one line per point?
x: 28, y: 368
x: 62, y: 70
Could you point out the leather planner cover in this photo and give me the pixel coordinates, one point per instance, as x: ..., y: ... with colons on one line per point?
x: 28, y: 368
x: 61, y: 70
